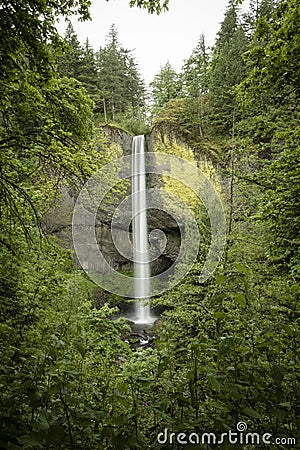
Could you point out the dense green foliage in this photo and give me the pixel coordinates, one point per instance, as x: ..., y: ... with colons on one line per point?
x: 110, y: 76
x: 165, y: 87
x: 225, y: 351
x: 122, y: 90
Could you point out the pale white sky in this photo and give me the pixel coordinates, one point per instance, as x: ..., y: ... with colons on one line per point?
x: 154, y: 39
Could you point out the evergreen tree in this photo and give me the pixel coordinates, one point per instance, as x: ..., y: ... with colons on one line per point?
x: 79, y: 62
x: 70, y: 62
x: 88, y: 75
x: 166, y: 86
x: 258, y: 9
x: 274, y: 56
x: 134, y: 85
x: 120, y: 84
x: 195, y: 80
x: 194, y: 71
x: 229, y: 25
x: 227, y: 70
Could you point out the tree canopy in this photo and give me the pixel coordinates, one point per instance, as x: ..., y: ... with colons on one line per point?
x: 153, y: 6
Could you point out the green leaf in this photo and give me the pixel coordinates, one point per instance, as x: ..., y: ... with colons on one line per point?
x: 241, y: 267
x: 216, y: 386
x: 251, y: 413
x: 220, y: 279
x: 120, y: 420
x: 163, y: 365
x: 220, y: 315
x: 162, y: 414
x: 278, y: 373
x: 279, y: 413
x: 226, y: 345
x: 41, y: 423
x: 241, y: 299
x: 80, y: 347
x: 285, y: 404
x: 33, y: 440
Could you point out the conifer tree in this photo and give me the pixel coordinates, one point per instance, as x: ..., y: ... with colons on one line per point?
x: 166, y: 86
x: 195, y: 80
x: 135, y: 86
x: 258, y: 9
x: 70, y: 62
x: 120, y: 84
x: 88, y: 75
x: 228, y: 69
x: 194, y: 71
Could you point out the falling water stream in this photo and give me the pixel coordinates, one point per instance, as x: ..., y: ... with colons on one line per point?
x: 142, y: 313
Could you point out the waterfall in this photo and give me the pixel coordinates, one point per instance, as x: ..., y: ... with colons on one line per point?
x: 142, y: 312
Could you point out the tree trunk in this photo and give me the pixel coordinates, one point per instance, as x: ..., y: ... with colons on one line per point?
x: 104, y: 109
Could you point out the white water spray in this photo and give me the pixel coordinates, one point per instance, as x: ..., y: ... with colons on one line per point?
x: 142, y: 313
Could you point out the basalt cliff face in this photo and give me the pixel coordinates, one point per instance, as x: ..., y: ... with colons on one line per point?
x: 58, y: 222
